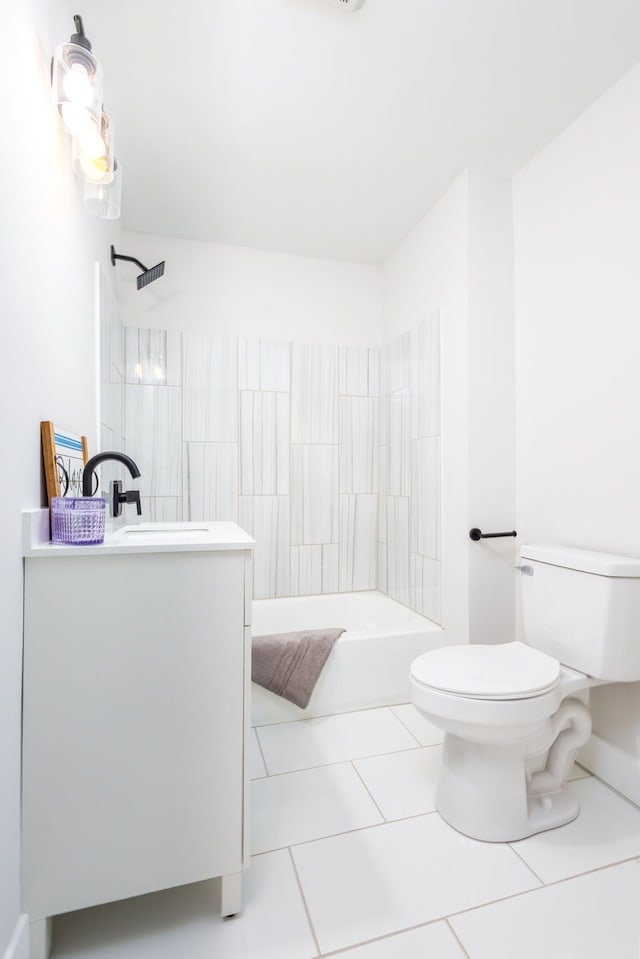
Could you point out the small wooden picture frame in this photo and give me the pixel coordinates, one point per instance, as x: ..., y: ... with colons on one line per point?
x: 64, y: 455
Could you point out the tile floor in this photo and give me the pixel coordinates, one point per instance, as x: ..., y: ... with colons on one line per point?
x: 351, y: 860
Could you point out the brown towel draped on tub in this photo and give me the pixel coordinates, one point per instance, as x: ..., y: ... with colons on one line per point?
x: 289, y: 664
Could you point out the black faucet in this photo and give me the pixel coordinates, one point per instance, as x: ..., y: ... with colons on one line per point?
x: 118, y: 497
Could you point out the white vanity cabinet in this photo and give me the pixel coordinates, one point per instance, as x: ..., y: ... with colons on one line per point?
x: 136, y: 701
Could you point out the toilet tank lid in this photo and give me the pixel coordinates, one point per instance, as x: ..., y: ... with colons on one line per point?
x: 584, y: 560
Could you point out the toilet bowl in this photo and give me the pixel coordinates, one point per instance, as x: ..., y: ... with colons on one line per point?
x: 502, y: 708
x: 512, y: 723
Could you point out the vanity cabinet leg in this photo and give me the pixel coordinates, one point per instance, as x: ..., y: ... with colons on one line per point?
x: 40, y: 938
x: 231, y: 894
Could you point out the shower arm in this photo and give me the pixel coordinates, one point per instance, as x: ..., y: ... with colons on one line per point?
x: 119, y: 256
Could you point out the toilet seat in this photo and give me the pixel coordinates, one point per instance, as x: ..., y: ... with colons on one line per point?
x: 506, y: 671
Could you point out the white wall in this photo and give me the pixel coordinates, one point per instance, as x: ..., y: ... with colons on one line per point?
x: 491, y: 398
x: 234, y: 291
x: 47, y: 349
x: 577, y: 235
x: 458, y: 260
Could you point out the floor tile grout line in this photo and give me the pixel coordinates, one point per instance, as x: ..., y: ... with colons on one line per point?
x: 345, y: 832
x: 369, y: 793
x: 350, y: 712
x: 382, y: 938
x: 548, y: 885
x: 348, y: 759
x: 263, y: 757
x: 340, y: 762
x: 304, y: 901
x: 458, y: 939
x: 447, y: 917
x: 525, y: 863
x: 411, y: 733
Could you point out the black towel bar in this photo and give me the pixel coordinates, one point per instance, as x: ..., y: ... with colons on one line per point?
x: 477, y: 534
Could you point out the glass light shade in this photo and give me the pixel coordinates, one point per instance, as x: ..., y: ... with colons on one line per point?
x: 77, y: 87
x: 92, y: 153
x: 105, y: 199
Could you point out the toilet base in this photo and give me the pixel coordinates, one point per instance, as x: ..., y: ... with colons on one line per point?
x: 482, y: 793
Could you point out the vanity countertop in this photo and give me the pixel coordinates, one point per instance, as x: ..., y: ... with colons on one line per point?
x: 138, y: 538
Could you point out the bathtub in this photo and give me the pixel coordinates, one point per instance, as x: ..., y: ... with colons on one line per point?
x: 369, y: 664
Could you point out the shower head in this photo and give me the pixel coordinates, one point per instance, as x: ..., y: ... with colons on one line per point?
x: 150, y: 275
x: 147, y: 276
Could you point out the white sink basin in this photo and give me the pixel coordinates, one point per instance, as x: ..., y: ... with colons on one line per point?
x: 165, y: 531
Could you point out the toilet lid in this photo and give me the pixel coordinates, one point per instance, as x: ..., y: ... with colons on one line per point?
x: 504, y: 671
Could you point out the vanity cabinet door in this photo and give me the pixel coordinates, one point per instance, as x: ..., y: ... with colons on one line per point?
x: 133, y: 741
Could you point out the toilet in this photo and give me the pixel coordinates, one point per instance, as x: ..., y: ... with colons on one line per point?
x: 512, y: 713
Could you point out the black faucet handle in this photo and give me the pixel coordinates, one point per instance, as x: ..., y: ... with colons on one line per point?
x: 129, y: 496
x: 133, y: 496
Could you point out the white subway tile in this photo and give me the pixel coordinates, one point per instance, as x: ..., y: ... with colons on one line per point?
x: 161, y: 509
x: 358, y: 444
x: 399, y: 479
x: 398, y: 375
x: 264, y: 443
x: 382, y: 567
x: 306, y: 570
x: 210, y: 388
x: 314, y: 394
x: 359, y: 371
x: 211, y: 481
x: 248, y: 364
x: 153, y: 357
x: 425, y: 497
x: 382, y: 494
x: 152, y: 416
x: 426, y: 585
x: 398, y: 548
x: 314, y: 484
x: 266, y: 518
x: 275, y: 366
x: 358, y: 542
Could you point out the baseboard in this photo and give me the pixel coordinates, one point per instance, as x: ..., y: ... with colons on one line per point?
x: 618, y: 768
x: 18, y: 947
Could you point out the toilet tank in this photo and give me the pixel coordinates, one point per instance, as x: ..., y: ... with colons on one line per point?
x: 583, y: 608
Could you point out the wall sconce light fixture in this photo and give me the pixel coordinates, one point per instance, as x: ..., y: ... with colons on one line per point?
x: 76, y: 77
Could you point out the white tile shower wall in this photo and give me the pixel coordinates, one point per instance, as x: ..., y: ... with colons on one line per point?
x: 409, y: 524
x: 281, y: 437
x: 210, y: 481
x: 314, y: 394
x: 264, y: 365
x: 267, y: 519
x: 328, y: 456
x: 314, y: 569
x: 264, y: 443
x: 153, y: 437
x: 358, y: 536
x: 210, y: 388
x: 153, y: 357
x: 358, y: 444
x: 314, y: 499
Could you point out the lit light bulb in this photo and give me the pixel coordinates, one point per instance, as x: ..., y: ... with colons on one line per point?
x: 78, y: 120
x: 96, y: 169
x: 92, y: 145
x: 77, y: 86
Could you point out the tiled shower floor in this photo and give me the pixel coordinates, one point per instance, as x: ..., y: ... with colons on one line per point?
x: 350, y: 859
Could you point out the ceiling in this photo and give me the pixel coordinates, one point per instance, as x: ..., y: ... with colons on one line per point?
x: 295, y: 126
